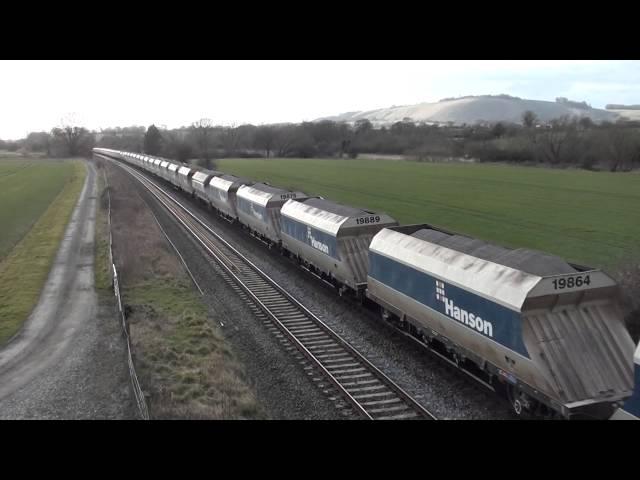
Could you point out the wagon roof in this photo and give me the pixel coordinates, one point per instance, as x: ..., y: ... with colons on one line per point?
x: 499, y: 283
x: 338, y: 209
x: 201, y: 176
x: 260, y: 193
x: 530, y: 261
x: 319, y: 218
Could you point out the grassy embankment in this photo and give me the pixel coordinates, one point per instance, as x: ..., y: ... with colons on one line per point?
x: 183, y: 361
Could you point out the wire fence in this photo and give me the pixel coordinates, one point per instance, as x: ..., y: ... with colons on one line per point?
x: 137, y: 390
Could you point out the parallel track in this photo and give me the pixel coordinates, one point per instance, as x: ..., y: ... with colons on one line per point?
x: 354, y: 380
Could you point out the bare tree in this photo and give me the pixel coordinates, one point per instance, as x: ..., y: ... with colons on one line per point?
x: 265, y: 139
x: 71, y: 135
x: 231, y: 138
x: 152, y: 140
x: 203, y: 129
x: 529, y: 119
x: 621, y: 147
x: 285, y: 140
x: 552, y: 143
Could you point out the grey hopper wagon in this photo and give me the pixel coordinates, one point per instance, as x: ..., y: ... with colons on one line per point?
x: 332, y: 238
x: 221, y: 193
x: 551, y: 330
x: 171, y: 175
x: 154, y: 166
x: 200, y: 181
x: 183, y: 178
x: 163, y: 170
x: 259, y: 208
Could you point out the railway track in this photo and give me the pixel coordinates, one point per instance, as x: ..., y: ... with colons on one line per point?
x: 351, y: 381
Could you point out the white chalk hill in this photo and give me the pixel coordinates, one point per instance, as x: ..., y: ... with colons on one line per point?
x: 476, y: 109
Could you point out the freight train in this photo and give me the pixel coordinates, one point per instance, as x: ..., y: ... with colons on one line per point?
x: 546, y: 333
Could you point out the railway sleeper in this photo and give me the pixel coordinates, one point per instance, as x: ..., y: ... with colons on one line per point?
x: 330, y: 351
x: 296, y: 320
x: 313, y: 335
x: 303, y: 329
x: 372, y: 403
x: 298, y: 323
x: 278, y: 303
x: 290, y: 311
x: 374, y: 395
x: 403, y: 416
x: 321, y: 343
x: 397, y: 408
x: 349, y: 377
x: 358, y: 383
x: 349, y: 370
x: 341, y: 362
x: 371, y: 388
x: 334, y: 355
x: 266, y: 292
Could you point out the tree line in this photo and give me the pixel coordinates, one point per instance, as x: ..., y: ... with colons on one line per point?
x: 567, y: 141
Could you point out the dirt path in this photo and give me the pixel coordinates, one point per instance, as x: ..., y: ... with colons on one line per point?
x: 68, y: 360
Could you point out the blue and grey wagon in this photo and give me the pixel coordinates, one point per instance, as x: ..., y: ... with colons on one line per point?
x: 332, y: 239
x: 259, y: 208
x: 551, y: 330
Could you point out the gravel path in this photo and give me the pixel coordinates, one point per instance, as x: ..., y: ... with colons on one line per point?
x: 448, y: 393
x: 68, y: 361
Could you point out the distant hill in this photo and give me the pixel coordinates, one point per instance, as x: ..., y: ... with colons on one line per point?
x: 615, y: 106
x: 477, y: 109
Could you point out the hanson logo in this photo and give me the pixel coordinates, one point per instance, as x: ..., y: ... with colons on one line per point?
x: 317, y: 244
x: 463, y: 316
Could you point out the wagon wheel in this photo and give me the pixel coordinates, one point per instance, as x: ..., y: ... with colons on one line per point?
x: 518, y: 401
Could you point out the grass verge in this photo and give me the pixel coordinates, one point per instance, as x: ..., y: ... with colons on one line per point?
x: 187, y: 366
x: 102, y: 265
x: 24, y: 271
x: 183, y: 362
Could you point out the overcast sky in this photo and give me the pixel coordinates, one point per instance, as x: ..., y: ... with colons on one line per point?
x: 35, y: 95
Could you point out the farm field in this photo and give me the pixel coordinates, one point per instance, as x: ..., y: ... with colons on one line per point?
x: 27, y: 188
x: 36, y: 201
x: 592, y: 218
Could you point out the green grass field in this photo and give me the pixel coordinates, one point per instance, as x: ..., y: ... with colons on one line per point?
x: 36, y: 202
x: 27, y: 188
x: 586, y: 217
